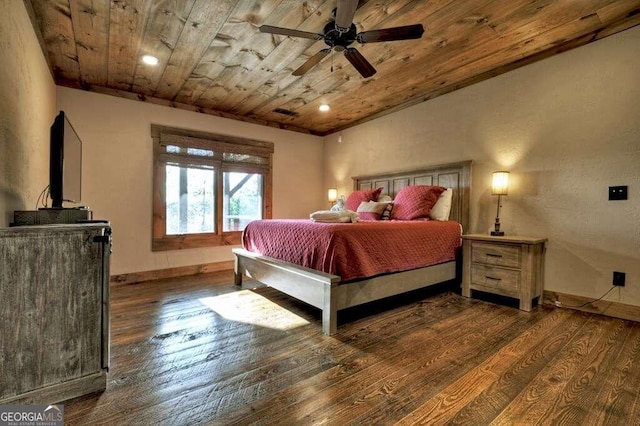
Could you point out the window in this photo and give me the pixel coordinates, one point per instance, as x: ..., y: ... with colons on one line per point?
x: 207, y: 187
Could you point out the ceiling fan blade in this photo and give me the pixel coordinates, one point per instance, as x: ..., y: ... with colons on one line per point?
x: 290, y: 32
x: 311, y: 62
x: 345, y: 12
x: 359, y: 62
x: 391, y: 34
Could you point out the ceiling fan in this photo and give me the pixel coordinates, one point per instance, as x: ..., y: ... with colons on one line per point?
x: 340, y: 33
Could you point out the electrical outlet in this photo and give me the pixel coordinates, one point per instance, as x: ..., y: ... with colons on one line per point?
x: 618, y: 278
x: 618, y: 193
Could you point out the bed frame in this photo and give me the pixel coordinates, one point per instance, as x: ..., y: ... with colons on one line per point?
x: 325, y: 291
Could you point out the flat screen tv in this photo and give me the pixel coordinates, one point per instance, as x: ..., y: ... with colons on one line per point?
x: 65, y: 167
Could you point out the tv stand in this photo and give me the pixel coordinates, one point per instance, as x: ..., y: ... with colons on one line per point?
x: 54, y: 311
x: 51, y: 216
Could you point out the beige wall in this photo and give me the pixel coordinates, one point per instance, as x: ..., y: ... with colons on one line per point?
x: 27, y: 109
x: 117, y: 172
x: 566, y: 127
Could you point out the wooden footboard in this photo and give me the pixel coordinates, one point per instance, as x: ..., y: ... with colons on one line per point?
x: 310, y: 286
x: 325, y: 292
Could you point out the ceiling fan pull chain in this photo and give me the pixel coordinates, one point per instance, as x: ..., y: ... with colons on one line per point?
x: 332, y: 52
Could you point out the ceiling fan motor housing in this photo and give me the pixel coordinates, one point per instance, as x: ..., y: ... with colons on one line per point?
x: 340, y: 40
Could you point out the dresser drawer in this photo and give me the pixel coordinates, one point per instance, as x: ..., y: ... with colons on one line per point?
x: 496, y: 254
x: 495, y: 280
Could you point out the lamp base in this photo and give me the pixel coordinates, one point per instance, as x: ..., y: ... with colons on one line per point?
x: 497, y: 233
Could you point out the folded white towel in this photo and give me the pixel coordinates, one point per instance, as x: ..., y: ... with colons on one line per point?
x: 333, y: 216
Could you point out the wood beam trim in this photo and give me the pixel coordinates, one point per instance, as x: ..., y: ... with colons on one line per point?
x: 179, y: 271
x: 163, y: 102
x: 603, y: 307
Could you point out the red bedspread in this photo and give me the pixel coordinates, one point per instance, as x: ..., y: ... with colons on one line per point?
x: 355, y: 250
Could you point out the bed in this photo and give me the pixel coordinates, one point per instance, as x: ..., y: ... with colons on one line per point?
x: 331, y: 292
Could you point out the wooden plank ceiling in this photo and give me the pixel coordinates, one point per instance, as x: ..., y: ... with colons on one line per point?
x: 214, y: 60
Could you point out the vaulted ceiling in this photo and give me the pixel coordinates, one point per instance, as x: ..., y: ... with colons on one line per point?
x: 213, y: 58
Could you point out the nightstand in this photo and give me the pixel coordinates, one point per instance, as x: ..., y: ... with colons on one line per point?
x: 511, y: 266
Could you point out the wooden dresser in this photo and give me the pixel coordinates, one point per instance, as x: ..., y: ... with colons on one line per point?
x: 54, y: 312
x: 511, y: 266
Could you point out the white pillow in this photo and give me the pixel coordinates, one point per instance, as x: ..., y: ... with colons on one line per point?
x: 442, y: 208
x: 372, y: 207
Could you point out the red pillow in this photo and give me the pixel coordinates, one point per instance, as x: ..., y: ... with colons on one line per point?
x: 356, y: 197
x: 413, y: 202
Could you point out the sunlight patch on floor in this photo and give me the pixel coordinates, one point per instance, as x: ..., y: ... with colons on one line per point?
x: 250, y: 308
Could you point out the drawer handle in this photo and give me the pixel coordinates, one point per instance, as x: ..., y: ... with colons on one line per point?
x: 493, y: 255
x: 492, y: 278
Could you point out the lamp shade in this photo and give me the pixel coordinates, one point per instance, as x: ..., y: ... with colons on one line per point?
x: 500, y: 183
x: 332, y: 194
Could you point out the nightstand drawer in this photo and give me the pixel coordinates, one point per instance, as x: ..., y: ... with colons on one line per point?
x: 495, y: 280
x: 496, y: 254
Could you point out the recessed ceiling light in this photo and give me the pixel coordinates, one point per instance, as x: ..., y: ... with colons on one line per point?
x: 324, y: 107
x: 150, y: 60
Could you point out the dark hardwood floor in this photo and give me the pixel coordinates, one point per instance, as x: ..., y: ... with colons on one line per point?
x: 199, y: 351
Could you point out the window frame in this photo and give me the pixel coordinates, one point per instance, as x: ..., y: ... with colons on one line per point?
x: 162, y: 136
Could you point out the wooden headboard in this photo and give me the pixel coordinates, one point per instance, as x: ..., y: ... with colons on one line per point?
x: 454, y: 175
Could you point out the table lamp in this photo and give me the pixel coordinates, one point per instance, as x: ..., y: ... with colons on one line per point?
x: 499, y: 187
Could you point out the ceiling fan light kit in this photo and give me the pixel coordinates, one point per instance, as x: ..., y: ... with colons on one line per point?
x: 340, y: 33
